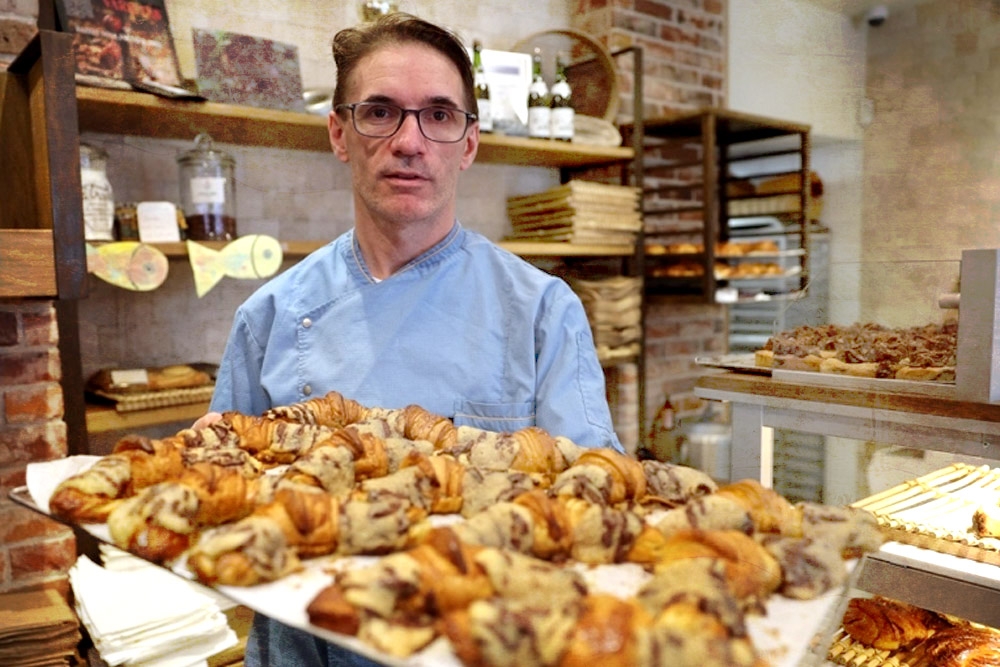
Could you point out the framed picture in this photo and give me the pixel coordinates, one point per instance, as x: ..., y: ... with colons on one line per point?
x: 247, y: 70
x: 120, y: 44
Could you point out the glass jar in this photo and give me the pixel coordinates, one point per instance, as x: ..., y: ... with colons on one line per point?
x: 98, y: 197
x: 208, y: 192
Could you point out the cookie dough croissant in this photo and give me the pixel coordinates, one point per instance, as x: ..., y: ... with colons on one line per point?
x: 334, y: 410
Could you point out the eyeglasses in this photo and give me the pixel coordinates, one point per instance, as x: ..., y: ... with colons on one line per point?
x: 444, y: 125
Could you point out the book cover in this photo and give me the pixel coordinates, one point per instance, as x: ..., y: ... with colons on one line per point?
x: 253, y: 71
x: 121, y: 42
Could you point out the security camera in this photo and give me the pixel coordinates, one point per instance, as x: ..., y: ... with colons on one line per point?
x: 877, y: 15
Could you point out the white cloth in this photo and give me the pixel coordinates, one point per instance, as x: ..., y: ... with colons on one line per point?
x: 148, y: 616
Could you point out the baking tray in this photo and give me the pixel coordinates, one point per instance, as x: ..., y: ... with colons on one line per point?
x: 741, y: 363
x: 792, y: 633
x: 935, y: 511
x: 888, y: 385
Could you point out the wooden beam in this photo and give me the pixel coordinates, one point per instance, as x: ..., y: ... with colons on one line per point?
x: 27, y: 263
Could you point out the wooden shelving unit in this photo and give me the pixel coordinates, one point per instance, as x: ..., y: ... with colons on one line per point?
x: 143, y: 114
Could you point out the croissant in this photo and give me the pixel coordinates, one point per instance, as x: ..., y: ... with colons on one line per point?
x: 883, y: 623
x: 224, y: 494
x: 672, y: 485
x: 328, y: 468
x: 151, y: 461
x: 751, y: 572
x: 529, y: 450
x: 245, y: 553
x: 421, y: 424
x: 91, y: 495
x: 625, y: 477
x: 701, y: 583
x: 371, y: 456
x: 308, y: 518
x: 444, y: 476
x: 332, y: 410
x: 609, y: 632
x: 964, y: 646
x: 851, y: 531
x: 158, y: 524
x: 273, y: 441
x: 500, y: 632
x: 769, y: 511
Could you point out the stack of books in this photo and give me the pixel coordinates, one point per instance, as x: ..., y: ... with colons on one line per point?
x: 583, y: 212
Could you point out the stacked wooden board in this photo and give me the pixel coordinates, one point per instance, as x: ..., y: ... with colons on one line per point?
x: 577, y: 212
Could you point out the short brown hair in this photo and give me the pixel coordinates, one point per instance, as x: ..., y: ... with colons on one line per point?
x: 350, y: 45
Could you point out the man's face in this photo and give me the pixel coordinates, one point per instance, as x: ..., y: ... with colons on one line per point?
x: 404, y: 178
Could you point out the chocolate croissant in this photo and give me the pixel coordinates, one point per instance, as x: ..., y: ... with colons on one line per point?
x: 884, y: 623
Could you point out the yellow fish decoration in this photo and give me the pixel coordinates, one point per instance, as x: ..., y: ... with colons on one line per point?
x: 253, y: 256
x: 130, y: 265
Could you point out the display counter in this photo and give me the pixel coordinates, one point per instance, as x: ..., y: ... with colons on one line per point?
x: 913, y: 414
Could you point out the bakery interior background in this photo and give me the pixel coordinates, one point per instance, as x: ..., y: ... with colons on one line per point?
x: 904, y: 134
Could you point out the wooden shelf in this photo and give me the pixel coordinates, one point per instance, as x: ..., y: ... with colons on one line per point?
x: 143, y: 114
x: 298, y: 249
x: 103, y: 418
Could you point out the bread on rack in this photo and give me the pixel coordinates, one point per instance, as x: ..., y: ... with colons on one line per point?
x: 964, y: 646
x: 986, y: 521
x: 884, y: 623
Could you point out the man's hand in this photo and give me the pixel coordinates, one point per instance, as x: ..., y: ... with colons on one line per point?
x: 207, y: 420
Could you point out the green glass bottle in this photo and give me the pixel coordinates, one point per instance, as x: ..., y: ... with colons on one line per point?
x: 482, y: 89
x: 539, y: 113
x: 562, y: 108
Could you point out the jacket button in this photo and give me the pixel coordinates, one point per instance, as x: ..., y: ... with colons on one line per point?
x: 307, y: 390
x: 306, y: 322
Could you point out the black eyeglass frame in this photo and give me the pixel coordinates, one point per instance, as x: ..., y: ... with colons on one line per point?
x: 469, y: 119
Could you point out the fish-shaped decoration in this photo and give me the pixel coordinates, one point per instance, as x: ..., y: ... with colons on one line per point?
x: 253, y: 256
x: 130, y: 265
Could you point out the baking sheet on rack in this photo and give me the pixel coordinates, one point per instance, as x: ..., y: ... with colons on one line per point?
x: 741, y: 363
x: 782, y: 636
x: 932, y: 389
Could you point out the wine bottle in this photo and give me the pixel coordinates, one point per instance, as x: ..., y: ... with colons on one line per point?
x: 539, y: 113
x: 482, y: 89
x: 562, y: 107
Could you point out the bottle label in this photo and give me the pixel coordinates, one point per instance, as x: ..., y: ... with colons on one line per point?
x: 485, y: 115
x: 562, y: 123
x: 208, y: 190
x: 539, y: 120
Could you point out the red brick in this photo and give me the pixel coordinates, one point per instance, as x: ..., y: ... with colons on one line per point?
x: 47, y: 557
x: 40, y: 328
x: 4, y: 567
x: 11, y: 478
x: 18, y: 524
x: 652, y: 8
x: 8, y: 329
x: 41, y: 442
x: 31, y: 403
x: 29, y: 367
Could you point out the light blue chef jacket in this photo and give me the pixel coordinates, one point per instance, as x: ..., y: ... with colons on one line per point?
x: 466, y: 330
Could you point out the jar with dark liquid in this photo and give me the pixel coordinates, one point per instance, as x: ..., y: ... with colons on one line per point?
x: 208, y: 192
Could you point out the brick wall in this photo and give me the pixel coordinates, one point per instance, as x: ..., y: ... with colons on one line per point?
x: 33, y: 550
x: 684, y: 68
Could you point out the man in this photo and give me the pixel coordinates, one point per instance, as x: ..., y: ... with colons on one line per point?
x: 409, y: 307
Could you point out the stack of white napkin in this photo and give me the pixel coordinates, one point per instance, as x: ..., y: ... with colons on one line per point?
x: 140, y: 614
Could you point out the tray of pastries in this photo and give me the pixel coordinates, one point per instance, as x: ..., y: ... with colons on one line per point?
x: 882, y: 632
x: 954, y: 510
x: 414, y: 541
